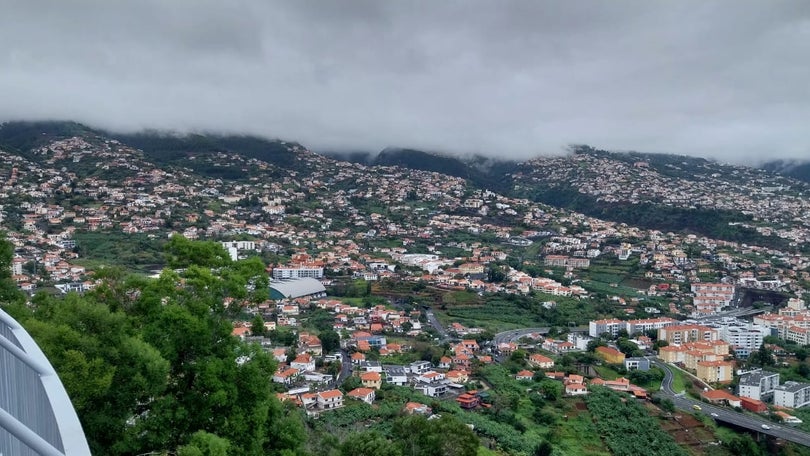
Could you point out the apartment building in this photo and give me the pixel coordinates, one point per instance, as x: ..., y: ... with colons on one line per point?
x: 710, y: 298
x: 758, y: 385
x: 297, y: 273
x: 681, y: 334
x: 792, y: 395
x: 612, y: 326
x: 715, y: 371
x: 744, y: 335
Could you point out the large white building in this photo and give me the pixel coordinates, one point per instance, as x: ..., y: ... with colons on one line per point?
x: 612, y: 326
x: 744, y: 335
x: 792, y: 395
x: 758, y: 385
x: 298, y: 273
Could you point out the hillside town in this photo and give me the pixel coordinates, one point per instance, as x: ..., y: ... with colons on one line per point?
x: 340, y: 238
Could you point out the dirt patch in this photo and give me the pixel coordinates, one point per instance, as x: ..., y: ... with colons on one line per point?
x: 689, y: 432
x: 688, y: 421
x: 581, y: 406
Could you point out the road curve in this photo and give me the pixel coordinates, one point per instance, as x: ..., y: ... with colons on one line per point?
x: 727, y: 415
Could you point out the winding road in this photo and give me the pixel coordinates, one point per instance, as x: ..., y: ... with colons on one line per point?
x: 725, y: 414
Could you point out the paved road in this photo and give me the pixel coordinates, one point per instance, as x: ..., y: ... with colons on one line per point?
x: 345, y: 367
x: 515, y: 334
x: 727, y: 415
x: 437, y: 326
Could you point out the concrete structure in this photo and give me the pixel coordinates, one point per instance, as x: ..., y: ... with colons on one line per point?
x: 681, y: 334
x: 36, y: 415
x: 745, y: 335
x: 612, y: 326
x: 642, y: 364
x: 710, y: 298
x: 297, y: 273
x: 792, y: 395
x: 610, y: 355
x: 758, y: 385
x: 647, y: 324
x: 715, y: 371
x: 296, y: 288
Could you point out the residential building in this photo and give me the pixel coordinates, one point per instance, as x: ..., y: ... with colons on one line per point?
x: 611, y: 326
x: 715, y: 371
x: 610, y: 355
x: 758, y: 385
x: 469, y: 400
x: 681, y: 334
x: 524, y: 375
x: 543, y: 362
x: 303, y: 362
x: 436, y: 389
x: 642, y: 364
x: 417, y: 408
x: 396, y: 375
x: 710, y: 298
x: 330, y: 399
x: 297, y: 273
x: 741, y: 334
x: 792, y: 395
x: 418, y: 367
x: 366, y: 395
x: 371, y: 379
x: 648, y: 324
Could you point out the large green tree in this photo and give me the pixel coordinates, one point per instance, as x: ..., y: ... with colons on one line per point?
x: 151, y: 364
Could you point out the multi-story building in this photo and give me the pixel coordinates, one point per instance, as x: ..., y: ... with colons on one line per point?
x: 611, y: 326
x: 331, y: 399
x: 710, y: 298
x: 792, y: 395
x: 715, y: 371
x: 610, y: 355
x: 745, y: 335
x: 644, y: 325
x: 299, y: 272
x: 681, y: 334
x: 758, y: 385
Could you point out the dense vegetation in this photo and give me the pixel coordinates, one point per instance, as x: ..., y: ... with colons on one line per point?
x: 151, y: 364
x: 627, y: 427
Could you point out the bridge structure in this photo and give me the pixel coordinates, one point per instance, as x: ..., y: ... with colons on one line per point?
x: 36, y: 415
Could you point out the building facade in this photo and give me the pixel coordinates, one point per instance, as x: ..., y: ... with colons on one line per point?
x: 792, y: 395
x: 758, y: 385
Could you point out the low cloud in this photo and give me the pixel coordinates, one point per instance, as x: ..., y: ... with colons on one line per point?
x: 722, y: 79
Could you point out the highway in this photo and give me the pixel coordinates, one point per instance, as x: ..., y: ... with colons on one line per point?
x: 727, y: 415
x: 515, y: 334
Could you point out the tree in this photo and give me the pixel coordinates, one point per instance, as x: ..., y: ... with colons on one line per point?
x: 257, y: 326
x: 801, y: 354
x: 205, y: 444
x: 544, y: 448
x: 330, y: 340
x: 368, y: 444
x: 182, y: 253
x: 446, y: 436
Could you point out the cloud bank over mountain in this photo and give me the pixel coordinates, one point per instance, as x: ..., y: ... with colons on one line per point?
x: 721, y: 79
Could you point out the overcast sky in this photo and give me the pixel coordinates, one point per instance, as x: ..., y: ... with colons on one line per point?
x: 727, y: 80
